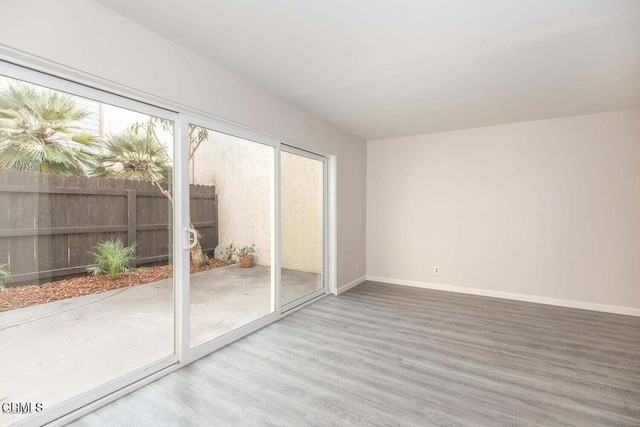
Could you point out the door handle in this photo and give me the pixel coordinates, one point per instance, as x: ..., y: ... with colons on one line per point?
x: 192, y: 233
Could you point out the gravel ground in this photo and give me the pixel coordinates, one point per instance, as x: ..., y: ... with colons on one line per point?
x: 24, y: 296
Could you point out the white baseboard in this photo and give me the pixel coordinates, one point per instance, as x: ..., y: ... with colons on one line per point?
x: 629, y: 311
x: 351, y: 284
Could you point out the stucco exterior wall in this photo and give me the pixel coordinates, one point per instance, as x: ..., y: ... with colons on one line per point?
x: 242, y: 172
x: 302, y: 216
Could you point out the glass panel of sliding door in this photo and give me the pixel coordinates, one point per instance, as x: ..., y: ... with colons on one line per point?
x: 86, y: 284
x: 232, y: 280
x: 303, y: 225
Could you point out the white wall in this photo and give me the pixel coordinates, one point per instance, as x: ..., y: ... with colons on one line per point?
x: 242, y: 172
x: 94, y: 40
x: 547, y: 208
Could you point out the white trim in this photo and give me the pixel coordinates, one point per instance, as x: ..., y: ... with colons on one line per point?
x: 304, y: 304
x: 28, y: 75
x: 231, y: 336
x: 276, y: 237
x: 326, y: 264
x: 332, y: 223
x: 221, y: 126
x: 87, y: 409
x: 326, y: 241
x: 88, y: 397
x: 628, y: 311
x: 287, y: 148
x: 351, y: 284
x: 56, y: 70
x: 303, y: 299
x: 181, y: 254
x: 213, y: 125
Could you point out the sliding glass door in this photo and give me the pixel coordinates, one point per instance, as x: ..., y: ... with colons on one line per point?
x: 233, y: 285
x: 261, y: 245
x: 134, y: 240
x: 303, y: 178
x: 86, y: 241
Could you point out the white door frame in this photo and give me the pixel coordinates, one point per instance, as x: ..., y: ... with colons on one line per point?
x: 92, y: 87
x: 325, y: 225
x: 88, y: 397
x: 189, y: 354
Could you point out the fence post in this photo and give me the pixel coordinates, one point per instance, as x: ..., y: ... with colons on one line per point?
x: 132, y: 221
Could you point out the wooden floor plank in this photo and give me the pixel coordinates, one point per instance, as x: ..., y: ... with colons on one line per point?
x: 386, y: 355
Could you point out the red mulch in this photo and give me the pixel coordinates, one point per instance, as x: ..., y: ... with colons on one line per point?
x: 24, y: 296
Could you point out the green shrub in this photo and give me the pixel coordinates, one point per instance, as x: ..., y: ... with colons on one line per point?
x: 229, y: 252
x: 112, y: 258
x: 4, y: 276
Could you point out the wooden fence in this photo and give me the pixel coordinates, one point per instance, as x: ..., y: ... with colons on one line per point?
x: 49, y: 224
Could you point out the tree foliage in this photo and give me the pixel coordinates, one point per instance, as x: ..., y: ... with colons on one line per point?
x: 138, y: 154
x: 134, y: 155
x: 197, y: 134
x: 39, y: 132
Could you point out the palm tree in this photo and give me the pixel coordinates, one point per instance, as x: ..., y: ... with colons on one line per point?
x: 137, y: 154
x: 39, y: 132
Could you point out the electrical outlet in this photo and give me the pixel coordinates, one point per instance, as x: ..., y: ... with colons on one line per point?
x: 436, y: 270
x: 358, y: 267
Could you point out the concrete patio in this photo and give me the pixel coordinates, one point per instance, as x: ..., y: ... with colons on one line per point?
x: 52, y: 352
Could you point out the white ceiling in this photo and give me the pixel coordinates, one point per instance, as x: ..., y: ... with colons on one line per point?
x: 400, y: 67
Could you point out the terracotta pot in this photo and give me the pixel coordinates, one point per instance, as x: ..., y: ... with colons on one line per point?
x: 246, y: 262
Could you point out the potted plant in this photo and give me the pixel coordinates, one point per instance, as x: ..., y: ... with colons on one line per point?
x: 245, y: 255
